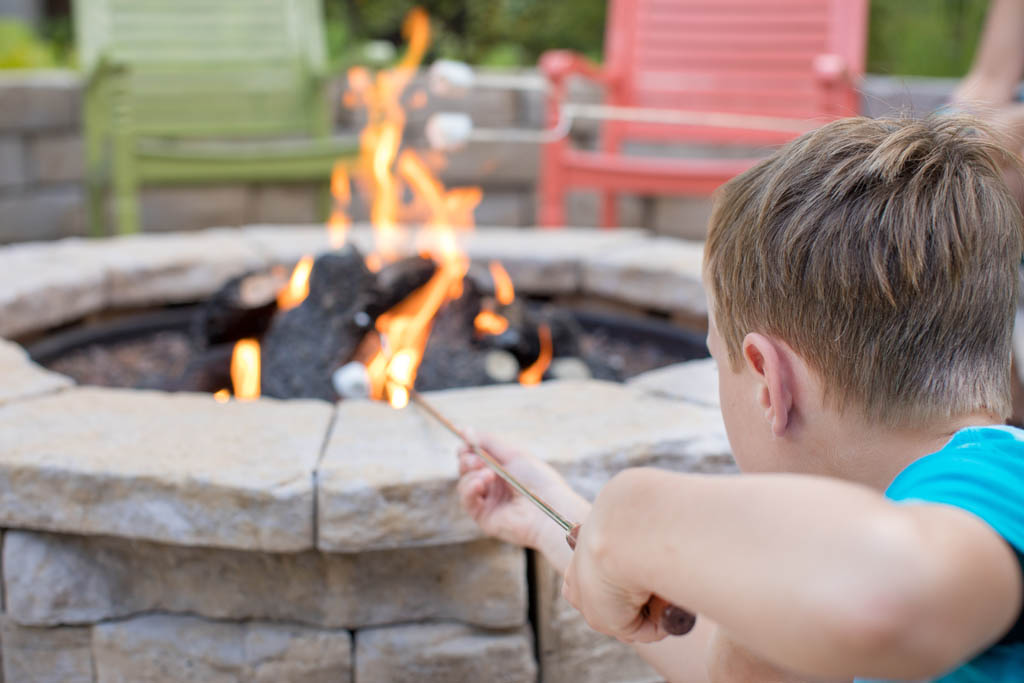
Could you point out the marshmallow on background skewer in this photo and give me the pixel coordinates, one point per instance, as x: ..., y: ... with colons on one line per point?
x: 448, y: 78
x: 448, y: 131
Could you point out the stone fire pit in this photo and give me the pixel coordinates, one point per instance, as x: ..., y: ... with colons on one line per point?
x: 155, y: 537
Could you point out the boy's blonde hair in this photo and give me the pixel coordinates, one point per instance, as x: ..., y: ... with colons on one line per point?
x: 885, y: 253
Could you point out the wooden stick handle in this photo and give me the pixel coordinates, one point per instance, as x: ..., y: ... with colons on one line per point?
x: 673, y: 620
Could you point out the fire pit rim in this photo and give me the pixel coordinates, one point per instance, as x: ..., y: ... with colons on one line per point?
x: 57, y: 487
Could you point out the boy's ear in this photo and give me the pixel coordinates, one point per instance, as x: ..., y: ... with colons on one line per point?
x: 768, y: 361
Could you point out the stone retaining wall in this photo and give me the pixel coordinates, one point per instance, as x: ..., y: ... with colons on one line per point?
x: 41, y: 195
x: 164, y: 537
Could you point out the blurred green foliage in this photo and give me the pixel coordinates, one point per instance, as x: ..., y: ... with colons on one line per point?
x: 911, y: 37
x: 21, y: 48
x: 493, y: 33
x: 924, y: 37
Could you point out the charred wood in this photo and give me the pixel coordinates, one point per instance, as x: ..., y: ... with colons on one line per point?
x: 243, y: 307
x: 305, y: 344
x: 396, y: 281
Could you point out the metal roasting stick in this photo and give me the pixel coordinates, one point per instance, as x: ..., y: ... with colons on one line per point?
x: 492, y: 462
x: 674, y: 620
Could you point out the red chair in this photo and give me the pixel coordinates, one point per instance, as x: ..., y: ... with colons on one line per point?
x: 760, y: 71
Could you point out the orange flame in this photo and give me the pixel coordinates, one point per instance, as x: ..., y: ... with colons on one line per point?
x: 489, y: 322
x: 534, y: 373
x: 337, y: 229
x: 504, y: 292
x: 389, y: 174
x: 339, y: 223
x: 297, y: 289
x: 222, y: 396
x: 245, y: 369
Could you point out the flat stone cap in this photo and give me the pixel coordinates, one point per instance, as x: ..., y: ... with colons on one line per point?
x: 177, y: 468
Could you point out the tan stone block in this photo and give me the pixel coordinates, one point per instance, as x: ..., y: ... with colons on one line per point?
x: 60, y: 579
x: 179, y: 468
x: 388, y: 477
x: 572, y: 652
x: 162, y: 648
x: 452, y: 653
x: 172, y: 268
x: 22, y: 377
x: 695, y: 381
x: 49, y: 283
x: 286, y: 244
x: 661, y: 273
x: 545, y: 261
x: 45, y: 655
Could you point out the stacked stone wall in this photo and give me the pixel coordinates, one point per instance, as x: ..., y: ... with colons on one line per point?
x: 41, y: 161
x: 150, y: 536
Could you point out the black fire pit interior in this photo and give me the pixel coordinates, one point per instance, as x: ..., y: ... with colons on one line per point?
x: 188, y: 347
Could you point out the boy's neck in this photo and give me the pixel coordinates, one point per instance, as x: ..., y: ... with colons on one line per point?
x: 873, y: 455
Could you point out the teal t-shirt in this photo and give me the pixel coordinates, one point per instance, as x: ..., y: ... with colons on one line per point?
x: 980, y: 470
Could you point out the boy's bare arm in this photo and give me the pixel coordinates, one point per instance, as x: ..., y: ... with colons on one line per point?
x: 999, y: 59
x: 827, y: 576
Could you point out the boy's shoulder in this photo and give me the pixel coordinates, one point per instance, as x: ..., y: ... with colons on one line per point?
x: 980, y: 469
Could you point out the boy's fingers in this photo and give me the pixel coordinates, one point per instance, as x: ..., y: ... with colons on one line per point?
x: 468, y: 462
x: 472, y: 489
x: 569, y: 590
x: 646, y: 632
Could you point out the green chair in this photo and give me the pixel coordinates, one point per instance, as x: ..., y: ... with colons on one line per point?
x: 202, y: 91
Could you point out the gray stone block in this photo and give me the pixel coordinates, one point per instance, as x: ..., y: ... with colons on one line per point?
x: 452, y: 653
x: 161, y: 648
x: 292, y: 203
x: 685, y: 217
x: 46, y: 214
x: 572, y: 652
x: 511, y: 209
x: 38, y: 99
x: 492, y: 164
x: 55, y: 158
x: 12, y: 162
x: 45, y: 655
x: 583, y: 210
x: 60, y: 579
x: 192, y: 208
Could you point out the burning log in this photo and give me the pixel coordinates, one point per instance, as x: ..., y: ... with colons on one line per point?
x: 304, y: 344
x: 243, y: 307
x: 396, y: 281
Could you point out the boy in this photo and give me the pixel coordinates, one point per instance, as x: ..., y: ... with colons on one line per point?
x: 862, y: 284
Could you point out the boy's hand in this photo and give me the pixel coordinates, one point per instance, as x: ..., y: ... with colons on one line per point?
x: 610, y: 602
x: 505, y: 514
